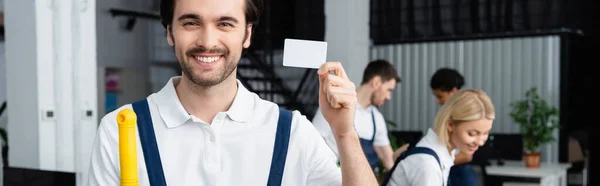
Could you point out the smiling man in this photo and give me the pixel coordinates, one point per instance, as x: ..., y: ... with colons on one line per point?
x: 205, y: 128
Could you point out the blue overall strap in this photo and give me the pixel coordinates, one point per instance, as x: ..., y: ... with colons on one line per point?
x: 282, y: 140
x: 374, y: 126
x: 148, y: 141
x: 411, y: 151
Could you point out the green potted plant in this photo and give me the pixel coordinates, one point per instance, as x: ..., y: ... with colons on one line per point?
x: 537, y: 121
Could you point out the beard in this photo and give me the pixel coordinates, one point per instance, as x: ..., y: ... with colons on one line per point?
x: 195, y: 76
x: 375, y: 102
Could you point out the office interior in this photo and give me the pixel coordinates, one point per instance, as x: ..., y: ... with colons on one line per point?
x: 65, y: 64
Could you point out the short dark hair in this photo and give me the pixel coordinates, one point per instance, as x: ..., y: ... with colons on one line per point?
x: 381, y: 68
x: 446, y: 79
x: 253, y: 11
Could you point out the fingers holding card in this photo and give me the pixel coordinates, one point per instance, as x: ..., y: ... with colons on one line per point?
x: 337, y: 97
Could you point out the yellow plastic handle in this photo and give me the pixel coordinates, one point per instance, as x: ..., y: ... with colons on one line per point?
x: 127, y: 147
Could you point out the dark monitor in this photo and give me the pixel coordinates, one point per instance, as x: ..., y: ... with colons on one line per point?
x: 506, y: 146
x: 403, y: 137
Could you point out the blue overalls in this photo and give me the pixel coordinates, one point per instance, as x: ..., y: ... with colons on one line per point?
x: 368, y: 148
x: 410, y: 151
x: 462, y: 175
x: 152, y: 157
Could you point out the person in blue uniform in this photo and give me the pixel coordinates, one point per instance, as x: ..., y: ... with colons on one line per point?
x: 379, y: 81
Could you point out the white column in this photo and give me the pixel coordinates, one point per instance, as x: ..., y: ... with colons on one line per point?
x: 63, y: 83
x: 85, y: 85
x: 29, y: 83
x: 51, y: 84
x: 347, y: 35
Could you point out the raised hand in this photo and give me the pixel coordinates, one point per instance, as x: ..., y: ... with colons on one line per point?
x: 337, y: 98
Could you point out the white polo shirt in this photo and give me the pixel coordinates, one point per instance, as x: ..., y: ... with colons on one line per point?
x: 423, y: 169
x: 234, y: 149
x: 363, y: 123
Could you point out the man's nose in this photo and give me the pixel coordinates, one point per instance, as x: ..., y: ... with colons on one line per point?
x: 207, y: 38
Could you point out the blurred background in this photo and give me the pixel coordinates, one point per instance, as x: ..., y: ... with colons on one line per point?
x: 65, y: 64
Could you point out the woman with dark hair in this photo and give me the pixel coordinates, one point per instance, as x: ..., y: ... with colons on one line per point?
x: 444, y: 83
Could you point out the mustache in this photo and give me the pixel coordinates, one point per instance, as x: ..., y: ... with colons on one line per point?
x: 195, y: 50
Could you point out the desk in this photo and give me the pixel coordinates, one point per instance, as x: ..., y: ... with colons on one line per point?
x: 550, y: 174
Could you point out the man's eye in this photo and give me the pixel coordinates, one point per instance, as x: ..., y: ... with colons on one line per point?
x: 226, y: 24
x: 189, y: 23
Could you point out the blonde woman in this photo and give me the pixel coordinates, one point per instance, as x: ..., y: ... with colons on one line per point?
x: 461, y: 125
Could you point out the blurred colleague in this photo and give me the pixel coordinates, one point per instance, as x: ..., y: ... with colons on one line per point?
x: 461, y: 125
x: 378, y: 83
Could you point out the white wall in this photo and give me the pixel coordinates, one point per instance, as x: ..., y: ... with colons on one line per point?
x: 84, y: 84
x: 504, y: 68
x: 3, y: 117
x: 2, y: 73
x: 125, y: 50
x: 21, y: 53
x: 116, y: 46
x: 50, y: 67
x: 347, y: 35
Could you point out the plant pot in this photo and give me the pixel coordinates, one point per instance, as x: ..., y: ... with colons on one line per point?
x: 532, y: 159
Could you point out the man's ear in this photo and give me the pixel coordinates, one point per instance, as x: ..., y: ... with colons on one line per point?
x: 376, y: 82
x: 453, y: 90
x: 248, y: 36
x: 170, y: 35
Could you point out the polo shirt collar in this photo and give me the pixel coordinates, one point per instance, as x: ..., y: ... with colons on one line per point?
x: 243, y: 105
x: 173, y: 114
x: 368, y: 109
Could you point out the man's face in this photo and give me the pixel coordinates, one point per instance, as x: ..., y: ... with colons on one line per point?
x: 441, y: 96
x: 383, y: 93
x: 208, y: 37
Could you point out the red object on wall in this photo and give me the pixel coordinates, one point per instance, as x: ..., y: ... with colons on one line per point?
x: 112, y: 79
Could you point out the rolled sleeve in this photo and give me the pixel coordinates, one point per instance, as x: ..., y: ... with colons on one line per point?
x: 381, y: 135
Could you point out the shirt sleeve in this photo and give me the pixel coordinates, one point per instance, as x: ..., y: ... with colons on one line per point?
x: 381, y: 135
x: 103, y: 169
x: 321, y: 162
x: 323, y: 128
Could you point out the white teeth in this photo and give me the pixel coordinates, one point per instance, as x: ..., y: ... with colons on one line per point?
x: 207, y: 59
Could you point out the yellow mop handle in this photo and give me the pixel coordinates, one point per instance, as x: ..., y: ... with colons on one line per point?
x: 127, y: 147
